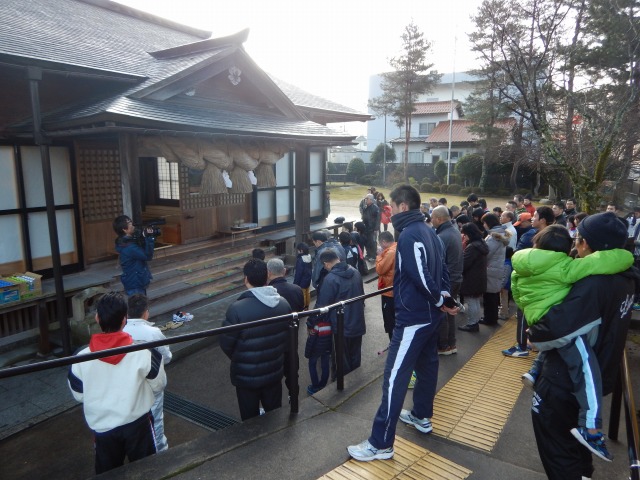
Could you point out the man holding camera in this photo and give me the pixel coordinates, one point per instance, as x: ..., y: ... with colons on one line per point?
x: 135, y: 250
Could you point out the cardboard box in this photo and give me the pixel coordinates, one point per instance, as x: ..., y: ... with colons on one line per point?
x: 9, y: 291
x: 30, y: 284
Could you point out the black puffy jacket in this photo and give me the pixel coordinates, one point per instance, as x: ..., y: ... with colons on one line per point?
x: 257, y: 354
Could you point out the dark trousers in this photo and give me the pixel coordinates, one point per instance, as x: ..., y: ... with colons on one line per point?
x: 388, y: 314
x: 324, y: 358
x: 554, y: 411
x: 249, y: 399
x: 134, y: 441
x: 412, y: 348
x: 372, y: 243
x: 491, y: 305
x: 521, y: 330
x: 447, y: 331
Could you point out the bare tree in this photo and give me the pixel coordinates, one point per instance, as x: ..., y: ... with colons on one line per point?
x: 559, y: 78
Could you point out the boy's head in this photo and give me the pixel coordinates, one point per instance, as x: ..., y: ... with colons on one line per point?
x: 603, y: 231
x: 121, y: 224
x: 258, y: 253
x: 138, y: 304
x: 555, y: 238
x: 111, y: 312
x: 386, y: 238
x: 255, y: 272
x: 345, y: 238
x: 303, y: 248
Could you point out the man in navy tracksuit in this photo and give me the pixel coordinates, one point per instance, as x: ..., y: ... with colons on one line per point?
x: 420, y: 285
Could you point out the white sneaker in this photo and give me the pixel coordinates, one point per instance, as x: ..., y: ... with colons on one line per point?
x: 365, y: 452
x: 422, y: 424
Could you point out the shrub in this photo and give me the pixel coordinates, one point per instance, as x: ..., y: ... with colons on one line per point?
x: 436, y: 185
x: 454, y: 188
x: 465, y: 191
x: 395, y: 178
x: 355, y: 169
x: 502, y: 192
x: 426, y: 187
x: 440, y: 170
x: 368, y: 179
x: 444, y: 188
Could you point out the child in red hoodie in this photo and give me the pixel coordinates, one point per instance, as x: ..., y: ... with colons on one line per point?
x: 117, y: 392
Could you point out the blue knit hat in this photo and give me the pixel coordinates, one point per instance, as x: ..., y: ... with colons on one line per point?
x: 603, y: 231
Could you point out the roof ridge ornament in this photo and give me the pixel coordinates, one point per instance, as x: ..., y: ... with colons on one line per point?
x: 234, y: 75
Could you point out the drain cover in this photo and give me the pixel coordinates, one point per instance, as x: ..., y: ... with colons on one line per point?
x: 198, y: 414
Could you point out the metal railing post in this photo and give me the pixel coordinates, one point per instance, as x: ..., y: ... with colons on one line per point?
x: 294, y: 363
x: 340, y: 347
x: 631, y: 421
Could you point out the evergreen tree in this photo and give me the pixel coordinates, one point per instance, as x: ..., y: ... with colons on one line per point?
x: 408, y: 80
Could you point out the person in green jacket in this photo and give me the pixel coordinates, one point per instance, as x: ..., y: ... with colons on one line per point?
x: 542, y: 277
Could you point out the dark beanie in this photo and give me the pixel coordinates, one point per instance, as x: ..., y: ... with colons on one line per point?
x: 603, y: 231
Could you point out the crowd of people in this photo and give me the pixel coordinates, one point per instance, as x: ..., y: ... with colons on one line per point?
x: 549, y: 259
x: 571, y: 275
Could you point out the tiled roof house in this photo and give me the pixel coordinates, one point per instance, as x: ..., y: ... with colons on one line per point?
x: 143, y: 116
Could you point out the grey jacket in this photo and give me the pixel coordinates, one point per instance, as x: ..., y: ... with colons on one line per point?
x: 497, y: 241
x: 452, y: 241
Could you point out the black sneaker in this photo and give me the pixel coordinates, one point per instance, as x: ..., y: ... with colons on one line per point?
x: 472, y: 327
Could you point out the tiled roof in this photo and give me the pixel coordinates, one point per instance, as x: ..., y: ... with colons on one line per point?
x: 76, y: 33
x: 83, y: 35
x: 460, y: 132
x: 167, y: 115
x: 305, y: 99
x: 426, y: 108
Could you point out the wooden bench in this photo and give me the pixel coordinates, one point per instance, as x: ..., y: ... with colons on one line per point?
x: 234, y: 232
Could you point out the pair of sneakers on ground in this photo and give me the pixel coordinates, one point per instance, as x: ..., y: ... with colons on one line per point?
x: 365, y: 452
x: 594, y: 440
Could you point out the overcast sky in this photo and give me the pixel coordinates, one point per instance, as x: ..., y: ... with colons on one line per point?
x: 330, y: 48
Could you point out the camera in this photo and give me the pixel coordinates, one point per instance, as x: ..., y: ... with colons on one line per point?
x: 141, y: 232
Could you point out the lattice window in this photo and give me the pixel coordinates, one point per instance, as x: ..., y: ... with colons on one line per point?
x: 100, y: 182
x: 168, y: 182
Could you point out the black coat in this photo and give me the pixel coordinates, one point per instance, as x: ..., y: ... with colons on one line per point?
x: 290, y: 292
x: 257, y: 354
x: 341, y: 283
x: 474, y: 275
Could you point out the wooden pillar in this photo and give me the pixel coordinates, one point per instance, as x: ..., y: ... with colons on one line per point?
x: 130, y: 177
x: 303, y: 204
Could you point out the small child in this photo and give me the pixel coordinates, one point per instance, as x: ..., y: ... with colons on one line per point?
x: 542, y: 277
x: 350, y: 250
x: 318, y: 347
x: 302, y: 276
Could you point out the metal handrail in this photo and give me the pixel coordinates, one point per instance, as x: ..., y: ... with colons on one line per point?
x: 291, y: 318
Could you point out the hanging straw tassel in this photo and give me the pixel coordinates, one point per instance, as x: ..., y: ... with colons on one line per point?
x: 212, y: 181
x: 240, y: 179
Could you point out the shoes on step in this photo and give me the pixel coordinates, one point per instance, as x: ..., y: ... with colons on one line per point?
x: 182, y: 317
x: 594, y: 442
x: 471, y: 327
x: 422, y: 424
x: 515, y: 351
x: 448, y: 350
x: 365, y: 452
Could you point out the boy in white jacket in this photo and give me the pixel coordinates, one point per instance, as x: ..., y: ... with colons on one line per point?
x: 117, y: 392
x: 141, y: 330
